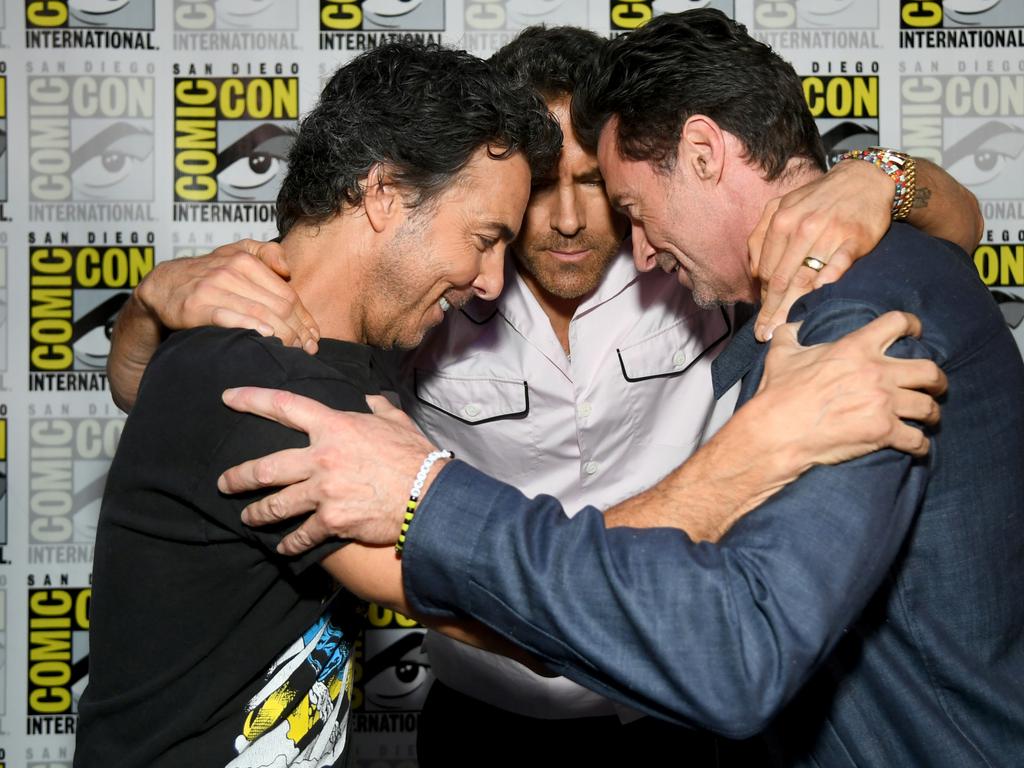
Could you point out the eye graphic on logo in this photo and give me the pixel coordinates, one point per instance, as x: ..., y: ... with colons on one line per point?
x: 845, y: 136
x: 677, y: 6
x: 987, y: 153
x: 91, y: 333
x: 105, y: 166
x: 252, y: 167
x: 391, y: 7
x: 823, y: 13
x: 96, y: 12
x: 1011, y: 306
x: 252, y: 14
x: 968, y: 8
x: 397, y: 676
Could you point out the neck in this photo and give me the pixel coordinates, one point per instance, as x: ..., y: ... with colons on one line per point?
x: 558, y: 310
x: 756, y: 193
x: 323, y: 260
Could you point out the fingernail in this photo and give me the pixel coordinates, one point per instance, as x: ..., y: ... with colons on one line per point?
x: 310, y: 346
x: 222, y: 486
x: 264, y: 330
x: 228, y: 395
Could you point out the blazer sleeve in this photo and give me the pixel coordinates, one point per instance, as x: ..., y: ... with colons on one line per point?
x: 716, y: 636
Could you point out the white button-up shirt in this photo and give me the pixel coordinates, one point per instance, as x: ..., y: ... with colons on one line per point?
x: 631, y: 403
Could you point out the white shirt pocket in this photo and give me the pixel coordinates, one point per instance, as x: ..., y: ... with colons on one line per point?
x: 484, y: 419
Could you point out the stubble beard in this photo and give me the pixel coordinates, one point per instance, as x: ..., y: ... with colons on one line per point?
x: 568, y: 280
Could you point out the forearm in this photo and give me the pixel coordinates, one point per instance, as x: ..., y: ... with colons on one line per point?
x: 375, y: 574
x: 944, y: 208
x: 718, y: 637
x: 136, y: 337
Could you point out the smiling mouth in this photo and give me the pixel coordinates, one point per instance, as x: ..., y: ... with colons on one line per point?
x: 444, y: 304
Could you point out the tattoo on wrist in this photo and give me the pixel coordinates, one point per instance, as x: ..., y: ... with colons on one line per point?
x: 921, y: 198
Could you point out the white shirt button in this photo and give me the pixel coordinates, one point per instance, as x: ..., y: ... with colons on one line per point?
x: 471, y: 410
x: 584, y: 409
x: 678, y: 359
x: 591, y: 467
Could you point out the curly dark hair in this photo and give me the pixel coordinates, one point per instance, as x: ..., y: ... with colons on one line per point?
x: 697, y: 62
x: 551, y: 60
x: 419, y: 110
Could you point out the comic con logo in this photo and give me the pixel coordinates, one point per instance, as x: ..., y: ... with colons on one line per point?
x: 70, y: 458
x: 90, y: 138
x: 961, y: 23
x: 89, y: 14
x: 973, y: 126
x: 235, y: 15
x: 815, y: 14
x: 58, y: 657
x: 927, y: 14
x: 1002, y: 265
x: 75, y: 293
x: 392, y: 672
x: 845, y: 109
x: 631, y: 15
x: 231, y: 140
x: 89, y: 24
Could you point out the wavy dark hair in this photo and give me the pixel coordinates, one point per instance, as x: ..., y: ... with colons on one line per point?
x: 697, y: 62
x: 419, y: 110
x: 551, y: 60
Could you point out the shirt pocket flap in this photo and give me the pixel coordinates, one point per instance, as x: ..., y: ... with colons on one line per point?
x: 673, y: 350
x: 473, y: 400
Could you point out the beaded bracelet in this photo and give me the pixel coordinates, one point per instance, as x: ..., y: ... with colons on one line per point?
x: 900, y: 168
x: 417, y: 489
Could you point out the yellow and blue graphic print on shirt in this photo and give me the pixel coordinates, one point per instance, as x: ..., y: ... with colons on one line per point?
x: 300, y: 716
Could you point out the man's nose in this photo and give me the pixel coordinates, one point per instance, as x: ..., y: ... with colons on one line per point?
x: 568, y: 217
x: 489, y: 282
x: 643, y: 252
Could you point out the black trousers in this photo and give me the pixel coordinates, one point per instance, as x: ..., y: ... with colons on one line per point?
x: 455, y: 729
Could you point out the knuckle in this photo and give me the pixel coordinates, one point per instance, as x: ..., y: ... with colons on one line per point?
x: 275, y: 508
x: 778, y: 283
x: 263, y: 472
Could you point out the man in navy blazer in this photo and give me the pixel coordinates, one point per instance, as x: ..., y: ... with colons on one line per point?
x: 868, y: 614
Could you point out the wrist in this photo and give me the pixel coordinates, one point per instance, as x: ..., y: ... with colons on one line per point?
x: 764, y: 432
x: 424, y: 478
x: 900, y: 168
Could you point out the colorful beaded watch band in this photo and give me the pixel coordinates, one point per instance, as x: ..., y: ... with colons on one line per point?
x: 900, y: 168
x: 414, y: 494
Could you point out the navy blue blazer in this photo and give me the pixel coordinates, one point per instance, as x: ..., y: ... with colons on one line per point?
x: 869, y: 614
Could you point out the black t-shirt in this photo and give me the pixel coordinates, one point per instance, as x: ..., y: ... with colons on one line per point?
x: 204, y: 641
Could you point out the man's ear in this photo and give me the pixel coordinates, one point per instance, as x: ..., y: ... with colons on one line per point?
x: 701, y: 148
x: 381, y: 199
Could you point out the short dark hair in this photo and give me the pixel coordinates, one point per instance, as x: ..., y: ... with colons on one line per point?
x: 697, y: 62
x: 551, y: 60
x: 421, y: 111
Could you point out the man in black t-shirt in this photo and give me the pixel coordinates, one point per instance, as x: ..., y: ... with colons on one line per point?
x: 208, y: 648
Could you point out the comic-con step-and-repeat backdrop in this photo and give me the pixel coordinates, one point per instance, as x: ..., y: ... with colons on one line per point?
x: 104, y: 172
